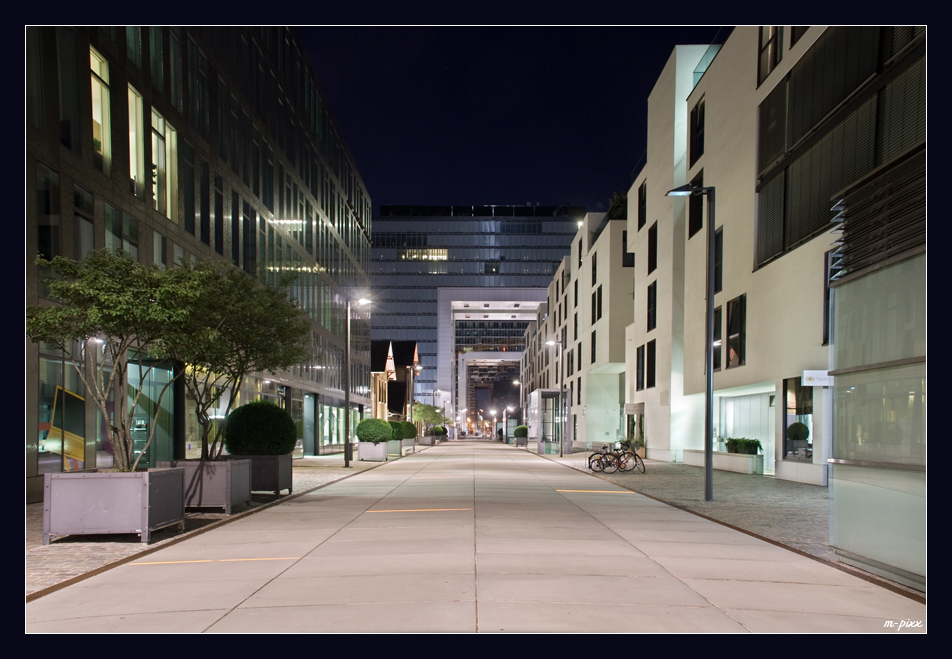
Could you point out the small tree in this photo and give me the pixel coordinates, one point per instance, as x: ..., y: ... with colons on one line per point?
x: 120, y: 310
x: 429, y: 415
x: 239, y: 326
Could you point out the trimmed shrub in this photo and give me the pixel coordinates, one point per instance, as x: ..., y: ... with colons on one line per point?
x: 397, y: 429
x: 409, y: 430
x: 374, y: 430
x: 797, y: 432
x: 437, y: 431
x: 521, y: 431
x: 260, y: 428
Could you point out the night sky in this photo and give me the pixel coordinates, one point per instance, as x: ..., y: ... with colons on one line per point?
x: 489, y: 115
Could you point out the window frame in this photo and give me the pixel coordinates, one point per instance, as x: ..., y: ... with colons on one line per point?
x: 697, y: 132
x: 652, y: 248
x: 652, y: 306
x: 736, y: 332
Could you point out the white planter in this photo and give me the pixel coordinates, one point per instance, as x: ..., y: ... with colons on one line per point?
x: 371, y: 451
x: 408, y: 445
x: 741, y: 463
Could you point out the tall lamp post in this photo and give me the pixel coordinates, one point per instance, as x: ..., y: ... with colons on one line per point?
x: 558, y: 373
x: 687, y: 191
x: 348, y: 447
x: 519, y: 382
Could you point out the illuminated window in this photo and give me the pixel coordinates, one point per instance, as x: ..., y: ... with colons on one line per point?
x: 102, y: 144
x: 771, y: 50
x: 136, y: 144
x: 164, y: 167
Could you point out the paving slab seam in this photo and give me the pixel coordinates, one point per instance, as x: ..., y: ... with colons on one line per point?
x: 319, y: 544
x: 674, y: 576
x: 892, y: 586
x: 185, y: 536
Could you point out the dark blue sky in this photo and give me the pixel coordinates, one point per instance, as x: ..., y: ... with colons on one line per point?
x: 489, y: 115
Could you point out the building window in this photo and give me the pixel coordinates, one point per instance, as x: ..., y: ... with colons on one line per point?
x: 771, y: 50
x: 175, y: 62
x: 642, y: 205
x: 102, y: 143
x: 719, y: 260
x: 653, y: 248
x: 717, y: 339
x: 134, y: 45
x: 650, y: 365
x: 627, y: 256
x: 696, y: 207
x: 122, y: 232
x: 579, y: 252
x: 48, y: 217
x: 579, y: 400
x: 598, y: 306
x: 797, y: 31
x: 188, y: 181
x: 736, y: 331
x: 697, y: 132
x: 156, y: 57
x: 640, y: 369
x: 164, y: 167
x: 34, y: 78
x: 136, y: 144
x: 219, y: 215
x: 652, y: 305
x: 580, y: 357
x: 594, y: 306
x: 83, y: 232
x: 204, y: 202
x: 798, y: 421
x: 594, y: 268
x: 576, y: 293
x: 575, y: 338
x: 68, y: 90
x: 491, y: 267
x: 593, y: 347
x: 159, y: 246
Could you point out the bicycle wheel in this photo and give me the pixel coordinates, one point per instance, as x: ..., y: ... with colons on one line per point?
x: 628, y: 462
x: 595, y: 461
x: 639, y: 463
x: 609, y: 463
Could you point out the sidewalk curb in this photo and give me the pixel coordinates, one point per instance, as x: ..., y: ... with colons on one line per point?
x: 892, y: 586
x: 184, y: 536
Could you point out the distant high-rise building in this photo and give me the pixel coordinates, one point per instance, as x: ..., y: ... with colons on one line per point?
x: 462, y: 280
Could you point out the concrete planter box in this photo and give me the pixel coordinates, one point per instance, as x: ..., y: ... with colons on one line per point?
x: 89, y: 502
x: 215, y: 484
x: 741, y: 463
x: 394, y: 447
x: 408, y: 445
x: 269, y: 473
x: 429, y: 440
x: 371, y: 451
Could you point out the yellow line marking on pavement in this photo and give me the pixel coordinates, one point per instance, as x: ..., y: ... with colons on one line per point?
x: 417, y: 510
x: 600, y: 491
x: 221, y: 560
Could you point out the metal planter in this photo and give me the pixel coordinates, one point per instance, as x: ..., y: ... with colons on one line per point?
x: 269, y: 473
x: 215, y: 484
x: 371, y: 451
x: 90, y: 502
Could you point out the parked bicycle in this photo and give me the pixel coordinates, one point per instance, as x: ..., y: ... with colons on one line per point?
x: 610, y: 461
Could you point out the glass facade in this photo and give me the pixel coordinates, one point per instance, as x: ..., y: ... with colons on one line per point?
x: 419, y: 249
x: 228, y: 151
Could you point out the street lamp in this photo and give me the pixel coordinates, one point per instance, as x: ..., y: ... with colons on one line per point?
x: 687, y: 191
x: 520, y: 398
x: 505, y: 422
x: 493, y: 412
x: 348, y: 447
x: 558, y: 374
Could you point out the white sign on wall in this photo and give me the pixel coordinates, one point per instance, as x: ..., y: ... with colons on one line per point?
x: 817, y: 379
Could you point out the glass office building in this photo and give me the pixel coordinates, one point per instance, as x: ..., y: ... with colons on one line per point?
x: 418, y: 250
x: 172, y: 143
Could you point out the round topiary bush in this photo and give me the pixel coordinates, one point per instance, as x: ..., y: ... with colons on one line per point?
x: 260, y: 428
x: 521, y: 431
x: 409, y: 430
x: 797, y: 432
x: 437, y: 431
x: 374, y: 430
x: 397, y: 429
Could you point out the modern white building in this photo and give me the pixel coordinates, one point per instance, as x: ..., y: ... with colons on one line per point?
x: 582, y: 328
x: 793, y: 127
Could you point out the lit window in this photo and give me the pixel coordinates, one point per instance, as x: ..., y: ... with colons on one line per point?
x: 136, y: 144
x: 771, y: 50
x: 164, y: 167
x: 102, y: 144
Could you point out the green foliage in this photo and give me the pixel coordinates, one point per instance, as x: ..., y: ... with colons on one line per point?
x: 397, y: 430
x: 374, y: 430
x: 521, y: 431
x: 409, y: 430
x: 618, y: 207
x: 239, y: 326
x: 127, y: 308
x: 743, y: 445
x: 260, y: 428
x: 438, y: 431
x: 797, y: 432
x: 429, y: 415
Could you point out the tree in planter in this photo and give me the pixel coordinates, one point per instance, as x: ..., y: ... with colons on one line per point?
x: 240, y: 327
x: 374, y: 430
x: 260, y: 428
x: 430, y: 416
x: 119, y: 308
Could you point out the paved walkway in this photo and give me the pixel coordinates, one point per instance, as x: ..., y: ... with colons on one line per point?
x: 472, y: 537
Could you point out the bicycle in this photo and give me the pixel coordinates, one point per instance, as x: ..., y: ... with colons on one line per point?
x: 594, y: 460
x: 611, y: 461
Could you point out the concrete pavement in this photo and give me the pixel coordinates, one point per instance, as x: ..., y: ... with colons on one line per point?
x: 473, y: 537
